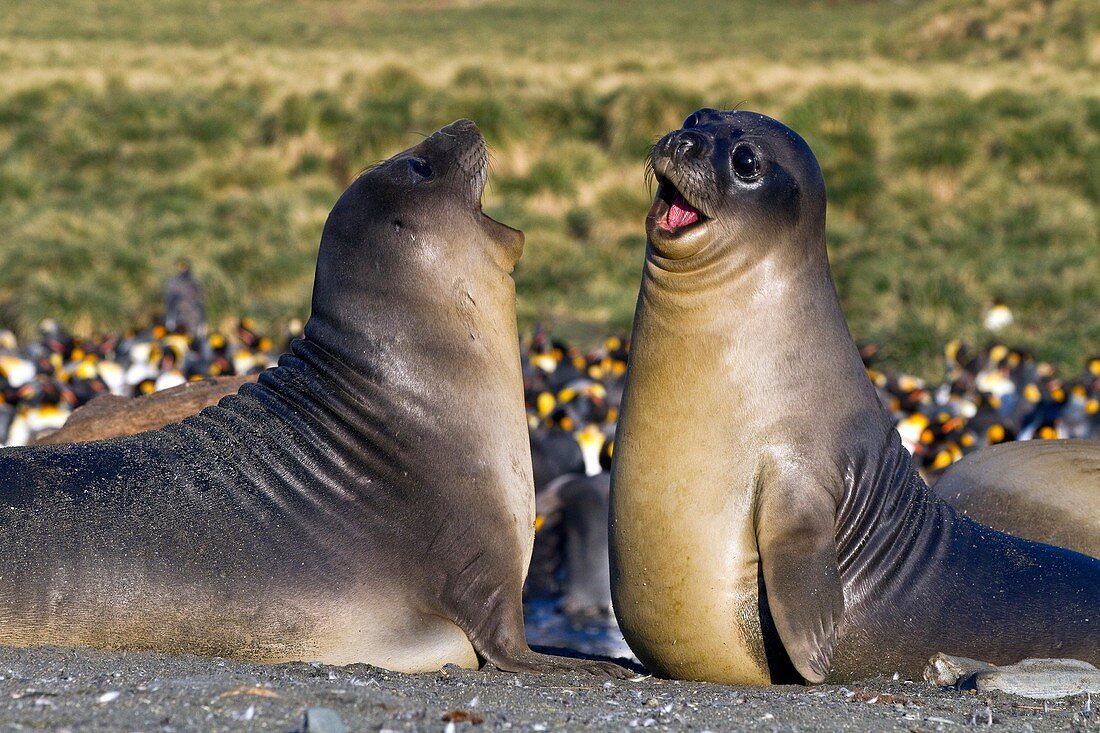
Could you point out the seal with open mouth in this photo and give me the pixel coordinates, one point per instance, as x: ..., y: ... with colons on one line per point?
x: 368, y: 500
x: 766, y: 521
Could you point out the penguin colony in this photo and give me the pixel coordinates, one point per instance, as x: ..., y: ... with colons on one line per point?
x: 44, y: 381
x: 992, y: 395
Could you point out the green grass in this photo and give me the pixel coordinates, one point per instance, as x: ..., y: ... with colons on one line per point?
x: 1062, y: 31
x: 691, y: 29
x: 132, y: 134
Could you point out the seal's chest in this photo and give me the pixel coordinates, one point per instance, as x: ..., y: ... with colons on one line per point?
x: 688, y: 606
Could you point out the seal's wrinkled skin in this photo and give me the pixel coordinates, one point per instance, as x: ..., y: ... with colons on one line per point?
x: 368, y: 500
x: 766, y: 523
x: 1044, y: 490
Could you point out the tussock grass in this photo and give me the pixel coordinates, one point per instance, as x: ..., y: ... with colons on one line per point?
x: 1067, y: 31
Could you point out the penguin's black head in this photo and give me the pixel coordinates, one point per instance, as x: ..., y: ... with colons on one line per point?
x: 737, y: 177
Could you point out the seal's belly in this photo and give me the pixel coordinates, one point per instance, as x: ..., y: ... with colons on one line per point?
x: 684, y: 559
x: 433, y: 643
x: 396, y: 636
x: 386, y: 629
x: 685, y: 582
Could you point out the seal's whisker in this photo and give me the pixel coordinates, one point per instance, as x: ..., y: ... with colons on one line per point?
x: 369, y: 168
x: 490, y: 165
x: 650, y: 175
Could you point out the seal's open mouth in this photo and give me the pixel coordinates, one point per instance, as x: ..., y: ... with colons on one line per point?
x: 671, y: 210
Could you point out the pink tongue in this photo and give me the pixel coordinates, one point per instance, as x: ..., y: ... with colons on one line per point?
x: 681, y: 213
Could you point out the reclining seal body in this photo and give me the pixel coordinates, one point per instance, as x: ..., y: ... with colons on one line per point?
x: 1044, y: 490
x: 113, y: 416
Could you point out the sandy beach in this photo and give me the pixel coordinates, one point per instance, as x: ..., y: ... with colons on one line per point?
x: 61, y: 689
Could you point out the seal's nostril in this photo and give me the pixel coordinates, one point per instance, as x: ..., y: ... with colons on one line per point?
x: 683, y: 145
x: 683, y: 148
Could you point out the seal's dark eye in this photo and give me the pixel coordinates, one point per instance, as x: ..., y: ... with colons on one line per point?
x: 420, y: 167
x: 745, y: 163
x: 693, y: 120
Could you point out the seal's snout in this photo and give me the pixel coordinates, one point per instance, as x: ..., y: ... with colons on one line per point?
x: 456, y: 139
x: 461, y: 156
x: 460, y: 128
x: 673, y: 156
x: 459, y: 153
x: 682, y: 145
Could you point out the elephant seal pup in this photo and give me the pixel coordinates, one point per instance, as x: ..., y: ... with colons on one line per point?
x: 763, y: 510
x: 1044, y: 490
x: 113, y: 416
x: 368, y: 500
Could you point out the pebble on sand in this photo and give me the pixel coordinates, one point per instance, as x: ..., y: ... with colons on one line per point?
x: 1041, y: 679
x: 323, y: 720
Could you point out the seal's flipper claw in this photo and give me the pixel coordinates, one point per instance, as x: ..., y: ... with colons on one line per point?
x: 509, y: 652
x: 795, y: 537
x: 498, y: 639
x: 532, y: 661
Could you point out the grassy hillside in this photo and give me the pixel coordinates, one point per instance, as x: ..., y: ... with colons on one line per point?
x: 1066, y: 32
x: 135, y: 133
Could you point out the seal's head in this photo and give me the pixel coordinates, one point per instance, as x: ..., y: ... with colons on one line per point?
x: 410, y: 195
x: 410, y: 228
x: 735, y: 178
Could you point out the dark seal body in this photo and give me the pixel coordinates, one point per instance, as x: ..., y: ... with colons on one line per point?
x: 766, y: 522
x: 368, y: 500
x: 1044, y: 490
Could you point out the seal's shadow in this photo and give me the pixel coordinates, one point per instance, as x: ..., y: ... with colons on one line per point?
x: 780, y: 666
x: 574, y: 654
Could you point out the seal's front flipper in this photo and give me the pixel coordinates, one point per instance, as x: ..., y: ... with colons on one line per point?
x: 499, y: 640
x: 795, y: 536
